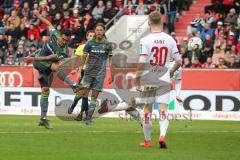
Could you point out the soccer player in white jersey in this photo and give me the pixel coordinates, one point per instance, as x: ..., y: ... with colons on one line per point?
x: 155, y: 53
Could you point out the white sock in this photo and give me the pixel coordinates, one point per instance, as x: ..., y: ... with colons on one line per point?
x: 147, y: 126
x: 163, y: 123
x: 178, y: 86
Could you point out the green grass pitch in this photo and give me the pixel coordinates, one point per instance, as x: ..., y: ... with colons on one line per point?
x: 115, y: 139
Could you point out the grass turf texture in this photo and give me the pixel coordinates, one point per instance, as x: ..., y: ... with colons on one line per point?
x: 107, y: 139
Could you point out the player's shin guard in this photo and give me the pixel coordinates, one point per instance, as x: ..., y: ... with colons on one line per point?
x: 44, y: 105
x: 163, y: 123
x: 64, y: 77
x: 147, y: 126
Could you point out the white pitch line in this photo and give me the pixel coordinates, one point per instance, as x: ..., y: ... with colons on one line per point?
x: 53, y: 132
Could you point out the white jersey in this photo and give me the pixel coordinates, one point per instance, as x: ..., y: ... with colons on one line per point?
x: 156, y: 50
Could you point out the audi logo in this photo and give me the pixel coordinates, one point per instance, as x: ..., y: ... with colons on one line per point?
x: 10, y: 79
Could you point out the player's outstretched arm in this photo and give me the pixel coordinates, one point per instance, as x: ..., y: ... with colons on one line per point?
x: 44, y: 20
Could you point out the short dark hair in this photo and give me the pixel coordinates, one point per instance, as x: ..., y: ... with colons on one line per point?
x: 66, y: 32
x: 101, y: 25
x: 90, y: 31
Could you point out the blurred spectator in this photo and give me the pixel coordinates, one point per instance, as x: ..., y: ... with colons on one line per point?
x: 208, y: 63
x: 231, y: 52
x: 231, y: 17
x: 209, y: 19
x: 14, y: 19
x: 25, y: 10
x: 88, y: 9
x: 237, y: 25
x: 185, y: 42
x: 215, y: 7
x: 172, y: 7
x: 22, y: 42
x: 238, y: 46
x: 195, y: 25
x: 12, y: 40
x: 31, y: 41
x: 129, y: 9
x: 221, y: 41
x: 35, y: 7
x: 11, y: 30
x: 217, y: 55
x: 97, y: 12
x: 108, y: 13
x: 10, y: 61
x: 219, y: 30
x: 73, y: 20
x: 26, y: 21
x: 231, y: 39
x: 66, y: 22
x: 57, y: 20
x: 183, y: 52
x: 207, y: 30
x: 54, y: 9
x: 221, y: 64
x: 88, y: 22
x: 21, y: 31
x: 186, y: 63
x: 118, y: 3
x: 43, y: 6
x: 80, y: 8
x: 7, y: 5
x: 227, y: 5
x: 34, y: 30
x: 3, y: 48
x: 196, y: 64
x: 78, y: 34
x: 19, y: 55
x: 206, y: 52
x: 233, y: 63
x: 11, y: 52
x: 208, y: 41
x: 141, y: 10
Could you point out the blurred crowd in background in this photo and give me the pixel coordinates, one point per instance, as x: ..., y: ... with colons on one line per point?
x: 21, y: 33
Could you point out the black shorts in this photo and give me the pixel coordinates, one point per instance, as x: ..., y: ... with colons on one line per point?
x: 45, y: 73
